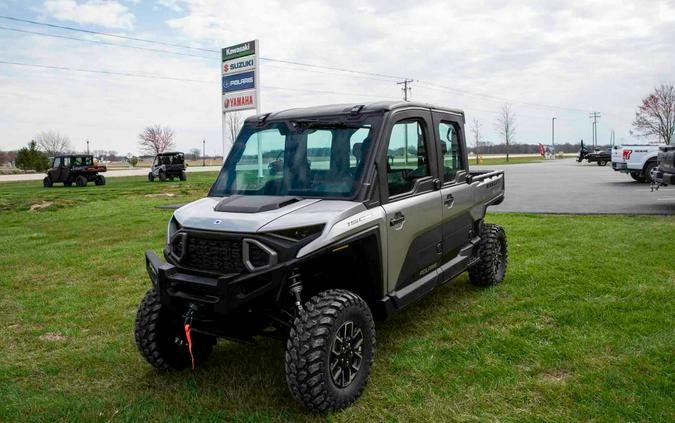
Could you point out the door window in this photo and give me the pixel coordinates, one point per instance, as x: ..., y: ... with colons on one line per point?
x: 407, y: 156
x: 452, y: 159
x: 65, y: 161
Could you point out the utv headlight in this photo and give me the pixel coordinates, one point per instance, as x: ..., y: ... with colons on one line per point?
x: 298, y: 234
x: 172, y: 228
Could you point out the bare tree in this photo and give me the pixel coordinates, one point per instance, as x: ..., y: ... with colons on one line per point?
x: 656, y: 115
x: 156, y: 139
x: 195, y: 152
x: 506, y: 126
x: 477, y: 129
x: 233, y: 122
x: 53, y: 143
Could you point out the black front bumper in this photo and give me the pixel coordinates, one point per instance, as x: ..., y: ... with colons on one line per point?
x: 220, y: 295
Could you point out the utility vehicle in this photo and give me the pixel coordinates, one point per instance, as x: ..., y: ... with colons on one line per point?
x: 366, y: 209
x: 664, y: 173
x: 168, y: 166
x: 74, y: 168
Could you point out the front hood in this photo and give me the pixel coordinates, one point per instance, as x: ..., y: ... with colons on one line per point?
x: 200, y: 214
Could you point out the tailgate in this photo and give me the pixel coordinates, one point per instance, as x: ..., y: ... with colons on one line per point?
x: 666, y: 159
x: 488, y: 186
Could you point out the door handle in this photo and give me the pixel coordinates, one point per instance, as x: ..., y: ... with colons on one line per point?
x: 449, y: 200
x: 398, y: 219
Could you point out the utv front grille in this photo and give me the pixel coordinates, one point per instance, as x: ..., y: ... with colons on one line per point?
x: 221, y: 254
x: 214, y: 255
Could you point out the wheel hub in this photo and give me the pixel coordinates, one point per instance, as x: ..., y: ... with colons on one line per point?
x: 346, y: 354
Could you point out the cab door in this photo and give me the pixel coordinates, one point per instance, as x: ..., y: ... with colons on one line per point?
x: 456, y: 194
x: 55, y: 172
x: 412, y: 206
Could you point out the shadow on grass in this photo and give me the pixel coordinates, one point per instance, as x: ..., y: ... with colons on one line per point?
x: 250, y: 379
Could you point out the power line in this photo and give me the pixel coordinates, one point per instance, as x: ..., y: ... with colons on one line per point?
x: 405, y: 88
x: 44, y: 34
x: 171, y: 78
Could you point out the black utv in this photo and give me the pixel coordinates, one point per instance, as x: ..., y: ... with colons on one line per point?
x: 78, y: 169
x: 168, y: 166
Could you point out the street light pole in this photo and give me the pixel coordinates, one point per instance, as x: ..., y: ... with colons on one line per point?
x: 553, y: 135
x: 203, y: 152
x: 87, y: 146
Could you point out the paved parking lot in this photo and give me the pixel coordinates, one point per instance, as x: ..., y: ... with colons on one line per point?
x: 565, y: 186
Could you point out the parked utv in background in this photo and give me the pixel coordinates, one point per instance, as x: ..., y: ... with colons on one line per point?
x: 664, y: 173
x: 366, y: 209
x: 168, y: 166
x: 77, y: 168
x: 601, y: 157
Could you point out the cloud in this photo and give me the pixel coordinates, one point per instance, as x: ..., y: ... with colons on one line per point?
x: 173, y: 5
x: 107, y: 14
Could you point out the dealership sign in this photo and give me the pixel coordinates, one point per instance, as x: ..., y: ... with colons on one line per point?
x: 240, y: 87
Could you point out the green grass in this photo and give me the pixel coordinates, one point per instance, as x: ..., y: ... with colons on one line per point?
x: 581, y: 329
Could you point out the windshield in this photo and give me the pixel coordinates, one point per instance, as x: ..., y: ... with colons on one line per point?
x: 304, y: 158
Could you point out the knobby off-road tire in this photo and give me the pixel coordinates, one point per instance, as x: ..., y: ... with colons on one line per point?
x: 183, y: 175
x: 334, y: 332
x: 162, y: 177
x: 81, y: 181
x: 493, y: 255
x: 99, y: 180
x: 47, y: 182
x: 160, y: 337
x: 151, y: 178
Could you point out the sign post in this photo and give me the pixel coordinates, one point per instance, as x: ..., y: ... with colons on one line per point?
x: 241, y: 84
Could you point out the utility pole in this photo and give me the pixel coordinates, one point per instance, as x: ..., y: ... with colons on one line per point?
x: 406, y: 89
x: 595, y: 116
x: 553, y: 135
x: 87, y: 145
x: 203, y: 152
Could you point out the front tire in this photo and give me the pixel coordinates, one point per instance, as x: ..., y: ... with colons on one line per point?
x: 162, y: 177
x: 151, y: 178
x: 47, y: 182
x: 160, y: 336
x: 183, y: 175
x: 99, y: 180
x: 330, y: 351
x: 602, y: 163
x: 493, y: 256
x: 81, y: 181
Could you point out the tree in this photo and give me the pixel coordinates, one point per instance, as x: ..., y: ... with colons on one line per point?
x: 506, y: 126
x: 655, y: 117
x: 133, y: 161
x: 477, y: 130
x: 30, y: 158
x: 195, y: 153
x: 156, y: 139
x: 53, y: 143
x: 233, y: 123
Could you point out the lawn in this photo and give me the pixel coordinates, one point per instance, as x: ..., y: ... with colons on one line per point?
x: 581, y: 329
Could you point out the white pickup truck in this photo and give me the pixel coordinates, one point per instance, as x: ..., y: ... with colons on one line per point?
x: 637, y: 160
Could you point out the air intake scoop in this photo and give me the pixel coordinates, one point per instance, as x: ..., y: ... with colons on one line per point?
x: 253, y: 203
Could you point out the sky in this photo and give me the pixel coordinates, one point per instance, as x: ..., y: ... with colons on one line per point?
x: 546, y: 59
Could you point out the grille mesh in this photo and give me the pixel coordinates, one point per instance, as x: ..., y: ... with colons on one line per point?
x: 215, y: 255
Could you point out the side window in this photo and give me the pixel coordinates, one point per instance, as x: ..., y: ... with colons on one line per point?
x: 65, y: 161
x: 407, y: 156
x: 452, y: 159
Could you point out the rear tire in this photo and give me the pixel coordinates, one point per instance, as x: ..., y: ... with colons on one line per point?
x: 99, y: 180
x: 330, y: 350
x: 493, y: 255
x: 636, y: 176
x: 648, y: 171
x: 602, y: 163
x: 47, y: 182
x: 156, y: 331
x: 81, y: 181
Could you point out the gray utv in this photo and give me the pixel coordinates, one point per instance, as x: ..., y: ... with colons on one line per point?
x: 168, y: 166
x: 321, y: 220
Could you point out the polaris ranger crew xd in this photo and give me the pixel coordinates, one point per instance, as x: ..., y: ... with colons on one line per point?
x: 320, y: 220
